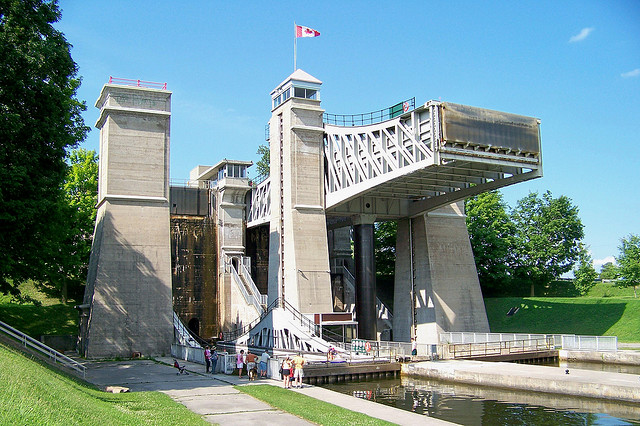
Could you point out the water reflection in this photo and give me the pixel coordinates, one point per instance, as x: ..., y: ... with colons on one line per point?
x: 471, y: 405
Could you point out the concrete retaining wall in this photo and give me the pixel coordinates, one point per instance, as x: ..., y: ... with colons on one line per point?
x: 581, y: 383
x: 619, y: 357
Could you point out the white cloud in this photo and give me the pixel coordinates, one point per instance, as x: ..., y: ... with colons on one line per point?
x: 597, y: 263
x: 631, y: 74
x: 584, y: 33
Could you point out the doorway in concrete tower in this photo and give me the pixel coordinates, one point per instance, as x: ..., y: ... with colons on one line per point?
x: 194, y: 326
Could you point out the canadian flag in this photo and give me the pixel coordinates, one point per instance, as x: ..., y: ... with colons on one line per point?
x: 306, y: 32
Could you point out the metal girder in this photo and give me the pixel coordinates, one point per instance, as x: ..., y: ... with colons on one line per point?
x: 259, y: 211
x: 434, y: 155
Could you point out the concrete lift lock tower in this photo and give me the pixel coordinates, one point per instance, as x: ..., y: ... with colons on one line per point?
x: 127, y: 306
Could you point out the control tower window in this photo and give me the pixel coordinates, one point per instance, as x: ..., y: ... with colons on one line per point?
x: 236, y: 171
x: 282, y: 97
x: 300, y: 92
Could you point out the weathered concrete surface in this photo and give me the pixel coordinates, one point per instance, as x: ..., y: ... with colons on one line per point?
x: 195, y: 273
x: 298, y: 248
x: 443, y: 273
x: 127, y: 303
x: 618, y: 357
x: 581, y: 383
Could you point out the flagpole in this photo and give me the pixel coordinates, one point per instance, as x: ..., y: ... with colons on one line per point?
x: 295, y: 45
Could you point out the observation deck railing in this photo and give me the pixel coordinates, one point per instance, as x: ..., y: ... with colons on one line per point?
x: 137, y: 83
x: 370, y: 117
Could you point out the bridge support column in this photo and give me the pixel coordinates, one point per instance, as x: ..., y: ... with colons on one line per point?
x: 436, y: 282
x: 365, y: 277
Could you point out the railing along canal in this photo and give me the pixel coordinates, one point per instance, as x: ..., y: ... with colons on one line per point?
x: 470, y: 350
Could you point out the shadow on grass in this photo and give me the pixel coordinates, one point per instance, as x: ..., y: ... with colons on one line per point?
x: 38, y: 320
x: 536, y: 315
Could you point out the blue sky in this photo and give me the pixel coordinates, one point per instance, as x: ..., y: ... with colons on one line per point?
x: 573, y: 64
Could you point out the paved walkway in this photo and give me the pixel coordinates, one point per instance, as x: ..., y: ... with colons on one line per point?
x: 214, y: 397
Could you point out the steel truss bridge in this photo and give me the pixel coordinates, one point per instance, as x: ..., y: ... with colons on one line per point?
x: 422, y: 159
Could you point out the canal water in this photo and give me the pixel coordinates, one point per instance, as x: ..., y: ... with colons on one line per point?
x: 474, y: 405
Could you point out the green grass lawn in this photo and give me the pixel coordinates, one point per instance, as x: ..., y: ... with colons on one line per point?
x: 604, y: 316
x: 34, y: 393
x: 308, y: 408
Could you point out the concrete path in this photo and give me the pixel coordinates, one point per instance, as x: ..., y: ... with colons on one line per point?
x: 214, y: 397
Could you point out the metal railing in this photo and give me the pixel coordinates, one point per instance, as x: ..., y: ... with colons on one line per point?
x: 183, y: 335
x: 249, y: 298
x: 246, y: 276
x: 370, y: 117
x: 56, y: 356
x: 588, y: 343
x: 137, y: 83
x: 470, y: 350
x: 278, y: 303
x: 560, y: 341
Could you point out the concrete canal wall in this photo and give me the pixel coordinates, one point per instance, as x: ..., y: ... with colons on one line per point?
x: 581, y: 383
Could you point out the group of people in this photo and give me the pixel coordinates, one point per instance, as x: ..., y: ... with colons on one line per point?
x: 249, y: 360
x: 210, y: 359
x: 292, y: 369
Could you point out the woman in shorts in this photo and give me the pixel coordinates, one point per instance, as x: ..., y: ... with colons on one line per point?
x: 286, y: 372
x: 240, y: 363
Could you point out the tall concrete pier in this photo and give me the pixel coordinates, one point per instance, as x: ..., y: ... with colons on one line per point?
x: 127, y: 304
x: 436, y: 283
x: 298, y: 249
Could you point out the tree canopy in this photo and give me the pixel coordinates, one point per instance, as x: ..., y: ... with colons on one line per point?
x: 629, y: 262
x: 548, y: 233
x: 40, y: 120
x: 263, y: 164
x: 385, y: 247
x: 609, y: 271
x: 585, y: 274
x: 525, y: 248
x: 67, y: 261
x: 492, y: 238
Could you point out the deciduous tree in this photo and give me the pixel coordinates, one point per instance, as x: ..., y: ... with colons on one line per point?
x: 609, y: 271
x: 40, y: 118
x: 385, y: 247
x: 491, y: 232
x: 585, y: 274
x: 68, y: 257
x: 548, y: 234
x: 263, y: 164
x: 629, y: 262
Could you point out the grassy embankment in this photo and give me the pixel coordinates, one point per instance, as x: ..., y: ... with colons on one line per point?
x: 52, y: 317
x: 605, y: 311
x: 34, y: 393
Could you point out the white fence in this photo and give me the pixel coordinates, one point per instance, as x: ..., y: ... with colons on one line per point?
x: 42, y: 348
x: 561, y: 341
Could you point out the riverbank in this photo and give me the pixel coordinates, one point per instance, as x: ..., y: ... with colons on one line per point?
x: 556, y: 380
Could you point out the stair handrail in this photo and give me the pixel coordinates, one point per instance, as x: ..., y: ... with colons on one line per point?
x: 41, y: 347
x: 246, y: 275
x: 277, y: 303
x: 249, y: 298
x: 185, y: 336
